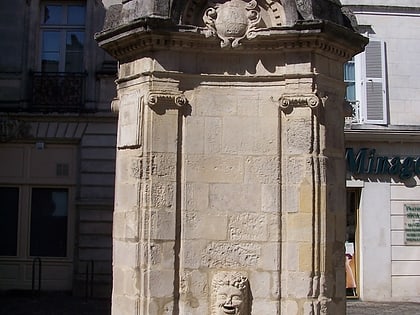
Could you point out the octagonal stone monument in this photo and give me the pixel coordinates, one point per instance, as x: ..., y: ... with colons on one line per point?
x: 230, y: 172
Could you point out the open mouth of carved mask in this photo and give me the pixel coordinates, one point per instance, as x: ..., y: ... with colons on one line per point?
x: 229, y: 309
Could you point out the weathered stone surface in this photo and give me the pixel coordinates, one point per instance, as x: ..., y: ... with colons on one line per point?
x: 214, y: 227
x: 248, y: 227
x: 270, y: 198
x: 214, y: 169
x: 234, y: 197
x: 231, y: 255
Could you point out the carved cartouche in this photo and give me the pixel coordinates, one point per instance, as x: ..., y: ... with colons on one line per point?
x: 232, y: 21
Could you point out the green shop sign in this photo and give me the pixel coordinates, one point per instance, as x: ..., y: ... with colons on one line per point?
x: 366, y: 161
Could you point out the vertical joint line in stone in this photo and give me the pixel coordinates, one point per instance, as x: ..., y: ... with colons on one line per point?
x: 178, y: 214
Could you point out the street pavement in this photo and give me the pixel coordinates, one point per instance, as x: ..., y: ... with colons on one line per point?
x: 65, y: 304
x: 355, y: 307
x: 25, y: 303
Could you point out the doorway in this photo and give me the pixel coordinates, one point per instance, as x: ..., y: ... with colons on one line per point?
x: 352, y: 243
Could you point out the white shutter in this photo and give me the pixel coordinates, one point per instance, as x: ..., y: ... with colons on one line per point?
x: 373, y: 84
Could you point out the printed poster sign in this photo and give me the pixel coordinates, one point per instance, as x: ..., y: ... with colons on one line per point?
x: 412, y: 224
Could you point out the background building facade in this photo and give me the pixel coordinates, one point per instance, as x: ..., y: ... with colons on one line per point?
x: 383, y: 148
x: 57, y: 144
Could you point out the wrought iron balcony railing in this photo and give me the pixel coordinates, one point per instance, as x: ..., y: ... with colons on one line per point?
x: 57, y: 91
x: 356, y: 116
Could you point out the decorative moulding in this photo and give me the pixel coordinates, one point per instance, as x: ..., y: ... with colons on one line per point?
x: 311, y: 100
x: 13, y: 129
x: 127, y: 48
x: 162, y: 100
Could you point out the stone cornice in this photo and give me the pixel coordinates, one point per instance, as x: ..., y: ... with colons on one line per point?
x: 244, y: 80
x: 128, y: 43
x: 384, y: 9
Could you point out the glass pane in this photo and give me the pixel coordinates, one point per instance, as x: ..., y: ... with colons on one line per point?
x: 53, y: 14
x: 74, y: 62
x: 50, y: 41
x: 349, y: 73
x: 49, y: 212
x: 9, y: 208
x: 49, y: 62
x: 76, y: 15
x: 350, y: 91
x: 74, y: 40
x: 74, y: 51
x: 50, y: 56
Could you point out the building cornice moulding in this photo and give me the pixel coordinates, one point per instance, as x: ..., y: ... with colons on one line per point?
x: 129, y: 42
x: 382, y: 133
x: 384, y: 10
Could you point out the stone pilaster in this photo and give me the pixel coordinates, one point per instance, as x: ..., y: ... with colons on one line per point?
x: 313, y: 197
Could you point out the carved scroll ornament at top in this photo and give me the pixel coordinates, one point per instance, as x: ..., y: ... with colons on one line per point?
x: 232, y: 21
x: 311, y: 100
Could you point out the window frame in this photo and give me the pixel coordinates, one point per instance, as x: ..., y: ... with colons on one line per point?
x: 363, y: 108
x: 23, y: 246
x: 62, y: 28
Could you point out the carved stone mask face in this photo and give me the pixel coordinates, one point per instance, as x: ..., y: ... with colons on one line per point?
x: 229, y: 300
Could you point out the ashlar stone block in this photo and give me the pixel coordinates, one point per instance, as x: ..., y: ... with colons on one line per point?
x: 235, y: 197
x: 214, y: 168
x: 205, y: 226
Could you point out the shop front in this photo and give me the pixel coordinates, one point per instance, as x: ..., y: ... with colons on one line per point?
x: 383, y: 221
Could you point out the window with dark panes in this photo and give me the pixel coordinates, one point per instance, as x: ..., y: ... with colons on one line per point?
x: 62, y: 37
x: 9, y: 215
x: 49, y: 217
x: 59, y: 83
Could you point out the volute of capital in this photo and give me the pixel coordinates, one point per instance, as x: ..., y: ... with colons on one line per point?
x: 287, y: 101
x: 162, y: 100
x: 168, y: 98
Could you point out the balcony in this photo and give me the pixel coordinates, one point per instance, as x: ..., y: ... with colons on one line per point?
x: 356, y: 117
x: 57, y: 91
